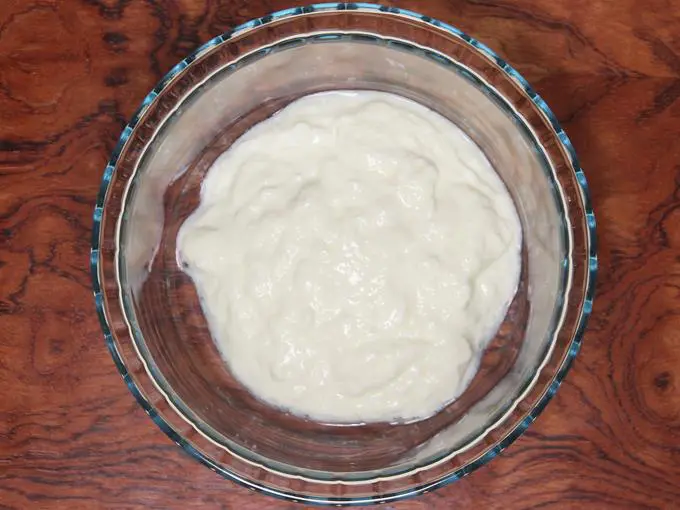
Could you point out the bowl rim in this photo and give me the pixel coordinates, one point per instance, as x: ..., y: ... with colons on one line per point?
x: 515, y: 431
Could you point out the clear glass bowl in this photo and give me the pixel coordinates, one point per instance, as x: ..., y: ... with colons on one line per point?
x: 150, y: 313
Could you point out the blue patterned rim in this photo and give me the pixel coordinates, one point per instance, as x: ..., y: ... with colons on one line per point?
x: 519, y: 427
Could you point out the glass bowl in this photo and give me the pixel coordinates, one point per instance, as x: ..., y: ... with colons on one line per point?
x: 150, y: 312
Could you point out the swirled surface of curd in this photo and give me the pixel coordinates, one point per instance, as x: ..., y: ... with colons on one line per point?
x: 354, y: 254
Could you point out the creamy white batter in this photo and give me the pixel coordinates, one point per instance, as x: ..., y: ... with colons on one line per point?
x: 354, y: 254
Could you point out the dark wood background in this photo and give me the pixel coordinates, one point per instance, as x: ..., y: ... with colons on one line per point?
x: 72, y: 71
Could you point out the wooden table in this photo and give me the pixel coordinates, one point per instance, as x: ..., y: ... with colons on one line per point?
x: 73, y: 71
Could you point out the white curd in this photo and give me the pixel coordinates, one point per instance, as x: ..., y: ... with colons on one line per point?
x: 354, y: 254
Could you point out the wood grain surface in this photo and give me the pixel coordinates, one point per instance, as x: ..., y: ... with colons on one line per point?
x: 73, y: 71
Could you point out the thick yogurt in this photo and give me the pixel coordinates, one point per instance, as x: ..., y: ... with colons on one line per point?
x: 354, y: 254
